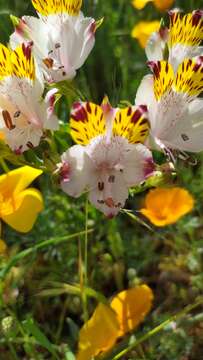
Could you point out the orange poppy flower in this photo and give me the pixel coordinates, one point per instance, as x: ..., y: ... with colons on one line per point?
x: 164, y: 206
x: 126, y: 311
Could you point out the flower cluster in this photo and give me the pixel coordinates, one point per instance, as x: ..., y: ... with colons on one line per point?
x: 114, y: 150
x: 42, y: 50
x: 114, y: 145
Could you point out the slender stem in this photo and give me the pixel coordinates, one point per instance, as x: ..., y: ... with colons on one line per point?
x: 137, y: 219
x: 86, y: 245
x: 156, y: 330
x: 84, y: 266
x: 33, y: 249
x: 61, y: 321
x: 141, y: 222
x: 12, y: 350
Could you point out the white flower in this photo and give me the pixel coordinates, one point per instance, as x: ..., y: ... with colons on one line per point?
x: 175, y: 112
x: 183, y: 38
x: 24, y: 115
x: 62, y: 37
x: 110, y: 158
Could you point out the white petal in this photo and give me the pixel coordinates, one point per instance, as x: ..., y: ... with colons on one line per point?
x: 187, y: 135
x: 111, y: 202
x: 155, y: 47
x: 167, y: 113
x: 145, y: 92
x: 34, y: 29
x: 86, y: 34
x: 26, y: 97
x: 23, y: 138
x: 138, y: 165
x: 78, y: 164
x: 52, y: 123
x: 179, y: 52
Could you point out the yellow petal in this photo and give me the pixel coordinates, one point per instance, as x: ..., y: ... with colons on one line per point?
x: 132, y: 123
x: 186, y: 30
x: 28, y: 205
x: 17, y: 180
x: 163, y: 77
x: 164, y: 206
x: 44, y: 7
x: 163, y: 4
x: 189, y: 78
x: 143, y: 30
x: 86, y: 122
x: 98, y: 334
x: 140, y: 4
x: 131, y: 306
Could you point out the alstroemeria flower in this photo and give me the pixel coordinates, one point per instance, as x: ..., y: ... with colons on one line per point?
x: 143, y: 30
x: 19, y: 206
x: 183, y: 38
x: 160, y: 4
x: 24, y: 115
x: 126, y: 311
x: 62, y: 37
x: 164, y: 206
x: 110, y: 157
x: 175, y: 112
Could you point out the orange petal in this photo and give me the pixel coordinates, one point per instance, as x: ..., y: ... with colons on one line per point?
x: 163, y: 4
x: 164, y: 206
x: 131, y: 306
x: 98, y: 334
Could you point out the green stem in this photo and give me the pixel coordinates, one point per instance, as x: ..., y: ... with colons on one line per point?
x: 85, y: 273
x: 40, y: 246
x: 12, y: 350
x: 86, y: 244
x: 4, y: 166
x: 154, y: 331
x: 143, y: 223
x: 137, y: 219
x: 61, y: 321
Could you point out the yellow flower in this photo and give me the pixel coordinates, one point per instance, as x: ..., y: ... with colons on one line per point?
x: 160, y: 4
x: 20, y: 206
x: 143, y: 30
x: 126, y: 311
x: 164, y: 206
x: 99, y: 333
x: 131, y: 306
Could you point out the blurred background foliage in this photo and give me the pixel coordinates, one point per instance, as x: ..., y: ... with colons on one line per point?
x: 122, y: 252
